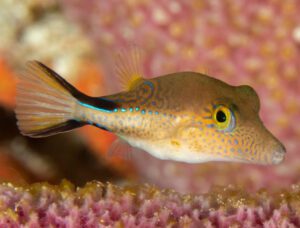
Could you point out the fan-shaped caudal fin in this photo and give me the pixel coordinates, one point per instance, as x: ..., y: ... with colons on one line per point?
x: 45, y: 102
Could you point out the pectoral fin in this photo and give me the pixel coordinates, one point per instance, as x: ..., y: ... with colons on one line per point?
x: 120, y: 148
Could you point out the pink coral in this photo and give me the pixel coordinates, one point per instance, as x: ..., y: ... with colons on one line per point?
x: 241, y: 42
x: 144, y: 206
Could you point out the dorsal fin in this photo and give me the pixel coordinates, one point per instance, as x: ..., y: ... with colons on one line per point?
x: 129, y: 67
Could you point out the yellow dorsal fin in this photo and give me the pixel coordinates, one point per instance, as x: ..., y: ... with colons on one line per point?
x: 129, y: 67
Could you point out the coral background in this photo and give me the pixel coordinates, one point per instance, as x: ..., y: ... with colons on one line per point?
x: 240, y: 42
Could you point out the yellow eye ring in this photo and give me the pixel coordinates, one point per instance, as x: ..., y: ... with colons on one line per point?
x: 224, y: 118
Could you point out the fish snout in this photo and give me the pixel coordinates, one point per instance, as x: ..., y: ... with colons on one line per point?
x: 278, y: 154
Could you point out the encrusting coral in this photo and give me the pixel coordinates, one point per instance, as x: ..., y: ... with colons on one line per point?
x: 143, y: 206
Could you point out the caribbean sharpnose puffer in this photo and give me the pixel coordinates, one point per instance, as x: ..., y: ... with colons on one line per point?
x: 184, y: 116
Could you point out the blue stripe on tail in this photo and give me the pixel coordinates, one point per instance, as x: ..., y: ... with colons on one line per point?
x: 94, y: 107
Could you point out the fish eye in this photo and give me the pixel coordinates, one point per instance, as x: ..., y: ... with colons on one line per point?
x: 224, y: 118
x: 221, y: 116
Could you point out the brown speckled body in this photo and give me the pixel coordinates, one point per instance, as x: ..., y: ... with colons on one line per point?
x: 171, y: 117
x: 185, y: 116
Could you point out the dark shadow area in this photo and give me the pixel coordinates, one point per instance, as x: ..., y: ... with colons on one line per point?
x: 53, y: 158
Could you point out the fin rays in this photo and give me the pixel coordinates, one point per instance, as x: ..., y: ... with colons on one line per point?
x: 128, y: 67
x: 43, y: 103
x: 36, y: 72
x: 30, y: 86
x: 41, y: 97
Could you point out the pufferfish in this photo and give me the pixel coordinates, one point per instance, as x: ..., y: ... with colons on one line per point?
x: 184, y: 116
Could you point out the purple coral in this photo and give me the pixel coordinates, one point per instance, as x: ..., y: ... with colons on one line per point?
x: 99, y: 204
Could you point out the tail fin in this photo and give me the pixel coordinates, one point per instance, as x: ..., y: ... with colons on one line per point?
x: 45, y: 102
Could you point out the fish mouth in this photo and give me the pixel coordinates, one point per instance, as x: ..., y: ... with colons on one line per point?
x: 278, y: 155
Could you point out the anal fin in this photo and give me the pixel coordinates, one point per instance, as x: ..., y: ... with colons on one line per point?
x: 120, y: 148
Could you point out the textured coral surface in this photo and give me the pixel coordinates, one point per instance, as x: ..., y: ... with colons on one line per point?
x: 98, y: 204
x: 240, y: 42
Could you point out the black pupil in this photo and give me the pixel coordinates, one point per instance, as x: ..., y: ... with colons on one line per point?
x: 221, y: 117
